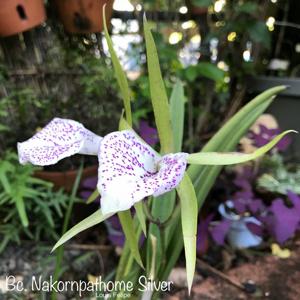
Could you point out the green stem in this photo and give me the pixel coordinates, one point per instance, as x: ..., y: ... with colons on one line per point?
x: 60, y: 251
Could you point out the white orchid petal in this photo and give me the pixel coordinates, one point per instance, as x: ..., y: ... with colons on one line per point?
x: 130, y: 170
x: 171, y: 171
x: 58, y: 139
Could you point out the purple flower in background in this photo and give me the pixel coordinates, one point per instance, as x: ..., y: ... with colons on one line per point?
x: 148, y: 133
x: 115, y: 233
x: 220, y: 230
x: 284, y: 221
x: 88, y: 186
x: 266, y: 134
x: 203, y: 233
x: 236, y: 228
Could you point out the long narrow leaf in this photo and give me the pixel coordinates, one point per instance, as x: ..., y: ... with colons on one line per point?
x: 95, y: 194
x: 120, y: 74
x: 189, y: 214
x: 158, y: 93
x: 130, y: 234
x: 235, y: 128
x: 230, y: 158
x: 141, y: 216
x: 94, y: 219
x: 21, y: 210
x: 177, y: 101
x: 225, y: 139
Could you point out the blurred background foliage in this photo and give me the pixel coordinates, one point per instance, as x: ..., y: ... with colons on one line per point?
x: 214, y: 47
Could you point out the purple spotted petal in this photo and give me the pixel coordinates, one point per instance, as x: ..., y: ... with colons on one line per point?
x: 58, y: 139
x: 130, y: 170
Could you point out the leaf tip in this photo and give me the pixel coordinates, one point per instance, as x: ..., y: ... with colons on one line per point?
x: 144, y: 17
x: 54, y: 248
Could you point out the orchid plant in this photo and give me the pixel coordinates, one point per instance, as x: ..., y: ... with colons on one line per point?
x: 131, y: 173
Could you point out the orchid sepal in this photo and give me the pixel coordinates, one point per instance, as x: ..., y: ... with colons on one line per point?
x: 230, y: 158
x: 57, y: 140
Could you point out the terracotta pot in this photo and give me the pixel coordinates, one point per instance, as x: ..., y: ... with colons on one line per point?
x: 83, y: 16
x: 66, y: 179
x: 20, y: 15
x: 195, y: 10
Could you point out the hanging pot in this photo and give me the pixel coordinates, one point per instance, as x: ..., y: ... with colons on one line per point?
x: 66, y: 179
x: 194, y: 9
x: 20, y: 15
x: 83, y: 16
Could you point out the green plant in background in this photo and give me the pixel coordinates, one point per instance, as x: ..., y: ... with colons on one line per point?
x: 279, y: 178
x: 29, y: 206
x: 161, y: 218
x: 233, y: 44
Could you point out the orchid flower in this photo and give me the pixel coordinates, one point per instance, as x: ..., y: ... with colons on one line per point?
x: 129, y: 169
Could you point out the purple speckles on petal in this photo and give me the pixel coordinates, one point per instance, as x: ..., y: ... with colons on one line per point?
x: 58, y: 139
x: 135, y: 172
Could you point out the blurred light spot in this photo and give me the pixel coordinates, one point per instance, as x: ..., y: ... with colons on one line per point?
x: 133, y: 26
x: 220, y: 24
x: 123, y: 5
x: 270, y: 23
x: 223, y: 66
x: 138, y: 7
x: 196, y: 39
x: 274, y: 1
x: 213, y: 47
x: 175, y: 37
x: 226, y: 79
x: 219, y: 4
x: 183, y: 9
x: 231, y: 36
x: 246, y: 55
x: 188, y: 24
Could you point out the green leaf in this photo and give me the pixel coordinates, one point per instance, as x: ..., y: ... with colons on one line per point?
x: 123, y: 124
x: 191, y: 73
x: 94, y: 219
x: 259, y: 33
x: 120, y: 74
x: 177, y: 101
x: 236, y: 127
x: 210, y: 71
x: 203, y: 177
x: 130, y: 234
x: 93, y: 196
x: 248, y: 8
x: 21, y: 210
x: 141, y: 216
x: 222, y: 159
x: 189, y: 214
x: 158, y: 93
